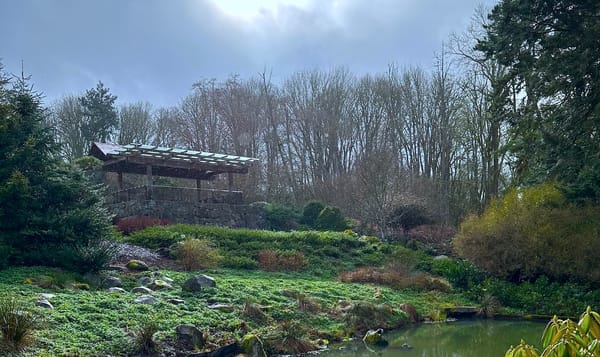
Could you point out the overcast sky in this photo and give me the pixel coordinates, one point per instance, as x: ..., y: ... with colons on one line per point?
x: 154, y: 50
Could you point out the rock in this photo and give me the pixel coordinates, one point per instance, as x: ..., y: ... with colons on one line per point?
x: 92, y: 279
x: 44, y: 304
x: 440, y: 257
x: 146, y: 299
x: 144, y: 280
x: 375, y: 338
x: 230, y: 350
x: 115, y: 289
x: 176, y: 301
x: 159, y: 284
x: 168, y: 280
x: 253, y: 346
x: 406, y: 346
x: 46, y: 296
x: 196, y: 283
x: 190, y: 336
x: 137, y: 265
x: 411, y: 312
x: 119, y: 268
x: 221, y: 307
x: 112, y: 282
x: 141, y: 290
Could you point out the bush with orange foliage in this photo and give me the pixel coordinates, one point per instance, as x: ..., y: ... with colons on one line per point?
x: 272, y: 260
x: 129, y: 225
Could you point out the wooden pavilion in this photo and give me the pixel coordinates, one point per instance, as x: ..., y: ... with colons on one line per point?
x: 153, y: 161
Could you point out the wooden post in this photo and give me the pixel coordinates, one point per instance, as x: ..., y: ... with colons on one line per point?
x: 199, y: 189
x: 149, y: 182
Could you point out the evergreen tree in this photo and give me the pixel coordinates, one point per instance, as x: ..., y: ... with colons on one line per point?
x: 100, y: 119
x: 49, y: 212
x: 551, y: 51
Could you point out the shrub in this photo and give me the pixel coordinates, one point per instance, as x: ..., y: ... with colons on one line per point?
x: 281, y: 218
x: 533, y: 232
x: 129, y: 225
x: 364, y: 315
x: 409, y: 216
x: 565, y: 338
x: 17, y: 325
x: 240, y: 263
x: 270, y: 260
x: 195, y: 254
x: 143, y: 341
x: 331, y: 219
x: 460, y: 273
x: 311, y: 212
x: 90, y: 257
x: 436, y: 238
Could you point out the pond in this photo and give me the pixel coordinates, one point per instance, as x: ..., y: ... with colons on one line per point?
x: 466, y: 338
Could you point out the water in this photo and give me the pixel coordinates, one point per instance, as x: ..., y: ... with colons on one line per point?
x: 471, y: 338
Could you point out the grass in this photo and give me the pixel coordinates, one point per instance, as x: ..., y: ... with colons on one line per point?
x: 99, y: 322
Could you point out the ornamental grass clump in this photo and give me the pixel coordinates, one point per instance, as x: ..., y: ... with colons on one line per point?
x: 144, y: 342
x: 17, y: 326
x: 194, y: 254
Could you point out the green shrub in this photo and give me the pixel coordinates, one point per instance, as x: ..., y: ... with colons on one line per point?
x: 17, y: 325
x: 90, y: 257
x: 194, y: 254
x: 311, y: 212
x: 460, y: 273
x: 533, y: 232
x: 365, y: 315
x: 281, y: 218
x: 5, y: 253
x: 240, y: 263
x: 331, y: 219
x: 409, y: 216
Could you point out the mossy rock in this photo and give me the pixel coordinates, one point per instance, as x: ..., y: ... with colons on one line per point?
x: 137, y: 265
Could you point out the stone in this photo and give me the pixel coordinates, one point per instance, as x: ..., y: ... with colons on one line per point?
x: 116, y: 289
x: 159, y: 284
x: 43, y: 303
x: 46, y: 296
x: 190, y: 336
x: 375, y: 338
x: 137, y: 265
x: 146, y: 299
x: 196, y: 283
x: 144, y: 280
x: 141, y: 290
x: 168, y: 280
x: 440, y: 257
x: 406, y: 346
x: 176, y: 301
x: 252, y: 346
x: 221, y: 307
x: 112, y: 282
x: 92, y: 279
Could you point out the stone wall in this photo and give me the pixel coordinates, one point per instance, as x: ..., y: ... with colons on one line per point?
x: 219, y: 214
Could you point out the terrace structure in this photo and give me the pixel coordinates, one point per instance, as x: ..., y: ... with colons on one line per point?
x: 174, y: 202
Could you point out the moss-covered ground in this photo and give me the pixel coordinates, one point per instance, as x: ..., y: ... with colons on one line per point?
x: 97, y: 322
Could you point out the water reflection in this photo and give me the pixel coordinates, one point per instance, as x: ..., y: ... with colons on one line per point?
x: 474, y: 338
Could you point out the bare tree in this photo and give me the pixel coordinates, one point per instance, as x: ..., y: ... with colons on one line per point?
x: 136, y: 123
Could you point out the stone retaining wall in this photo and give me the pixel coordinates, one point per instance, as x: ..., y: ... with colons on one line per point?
x: 219, y: 214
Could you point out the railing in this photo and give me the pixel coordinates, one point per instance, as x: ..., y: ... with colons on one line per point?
x: 180, y: 194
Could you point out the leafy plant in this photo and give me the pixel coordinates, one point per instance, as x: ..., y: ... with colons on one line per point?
x: 17, y: 325
x: 565, y: 338
x: 195, y: 254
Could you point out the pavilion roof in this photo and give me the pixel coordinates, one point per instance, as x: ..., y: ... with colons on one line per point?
x: 170, y: 162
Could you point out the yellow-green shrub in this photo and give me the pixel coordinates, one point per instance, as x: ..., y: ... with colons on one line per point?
x: 195, y: 254
x: 533, y: 232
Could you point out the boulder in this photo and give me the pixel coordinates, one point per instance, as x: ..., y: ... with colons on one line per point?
x: 112, y: 282
x: 221, y: 307
x: 146, y: 299
x: 176, y: 301
x: 190, y: 337
x: 141, y: 290
x: 196, y: 283
x: 46, y: 296
x: 159, y: 284
x: 252, y: 346
x: 375, y: 338
x: 115, y: 289
x: 144, y: 280
x: 43, y: 303
x: 137, y: 265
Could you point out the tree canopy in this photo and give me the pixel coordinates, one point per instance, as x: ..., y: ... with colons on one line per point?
x: 551, y: 51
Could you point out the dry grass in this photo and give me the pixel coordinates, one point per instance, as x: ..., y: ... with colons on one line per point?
x: 271, y: 260
x: 395, y: 279
x: 17, y: 326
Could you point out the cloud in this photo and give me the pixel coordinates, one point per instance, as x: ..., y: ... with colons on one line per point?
x: 155, y: 50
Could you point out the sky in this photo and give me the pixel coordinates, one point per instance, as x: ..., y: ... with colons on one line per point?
x: 154, y: 50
